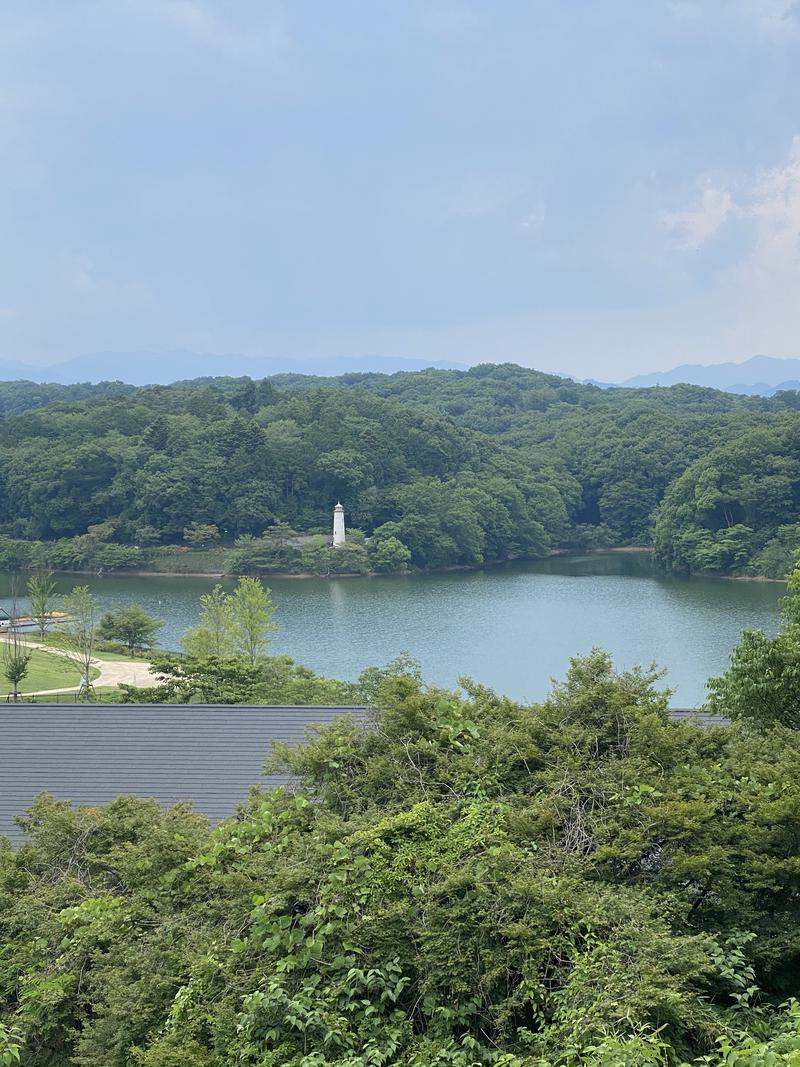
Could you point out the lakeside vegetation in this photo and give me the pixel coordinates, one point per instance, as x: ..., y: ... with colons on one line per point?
x: 61, y: 653
x: 437, y: 469
x: 460, y: 880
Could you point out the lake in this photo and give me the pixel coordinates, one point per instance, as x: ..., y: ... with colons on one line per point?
x: 513, y: 627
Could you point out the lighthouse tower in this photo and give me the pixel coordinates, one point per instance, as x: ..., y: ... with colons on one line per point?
x: 339, y: 537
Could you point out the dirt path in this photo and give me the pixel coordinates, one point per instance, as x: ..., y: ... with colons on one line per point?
x: 112, y: 672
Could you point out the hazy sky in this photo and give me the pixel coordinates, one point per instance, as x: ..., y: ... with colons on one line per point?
x: 588, y: 186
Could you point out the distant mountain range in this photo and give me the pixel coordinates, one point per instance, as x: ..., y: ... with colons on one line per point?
x: 11, y: 370
x: 759, y: 376
x: 161, y: 368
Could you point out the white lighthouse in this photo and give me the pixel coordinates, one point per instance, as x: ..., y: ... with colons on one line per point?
x: 339, y: 536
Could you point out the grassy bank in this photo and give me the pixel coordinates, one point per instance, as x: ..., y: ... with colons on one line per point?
x: 107, y: 651
x: 47, y: 670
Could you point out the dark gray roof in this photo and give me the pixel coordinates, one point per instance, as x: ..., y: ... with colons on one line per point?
x: 208, y: 754
x: 90, y: 754
x: 702, y: 718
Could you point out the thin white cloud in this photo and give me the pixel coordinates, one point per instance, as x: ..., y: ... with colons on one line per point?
x: 774, y: 208
x: 480, y: 194
x: 769, y: 202
x: 774, y: 18
x: 19, y: 33
x: 772, y: 10
x: 203, y: 23
x: 451, y: 21
x: 200, y: 22
x: 471, y: 197
x: 189, y: 195
x: 534, y: 220
x: 752, y: 304
x: 770, y: 17
x: 76, y: 276
x: 693, y: 228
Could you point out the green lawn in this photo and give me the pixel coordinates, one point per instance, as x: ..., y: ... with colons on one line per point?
x: 56, y: 641
x: 46, y: 671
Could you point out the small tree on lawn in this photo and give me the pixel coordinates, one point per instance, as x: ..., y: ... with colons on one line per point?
x: 16, y: 656
x: 132, y: 626
x: 80, y: 630
x: 42, y: 596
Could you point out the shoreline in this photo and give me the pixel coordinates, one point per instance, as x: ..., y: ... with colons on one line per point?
x: 454, y: 568
x: 300, y: 575
x: 749, y: 578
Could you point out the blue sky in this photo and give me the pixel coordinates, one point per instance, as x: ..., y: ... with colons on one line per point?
x: 588, y: 186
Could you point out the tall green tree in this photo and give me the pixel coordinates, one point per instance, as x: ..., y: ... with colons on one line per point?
x: 389, y: 554
x: 15, y: 656
x: 80, y: 631
x: 232, y: 624
x: 133, y: 626
x: 212, y: 635
x: 250, y: 618
x: 15, y: 659
x: 201, y: 534
x: 43, y: 599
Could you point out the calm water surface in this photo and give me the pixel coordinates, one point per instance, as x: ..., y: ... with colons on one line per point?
x: 513, y: 628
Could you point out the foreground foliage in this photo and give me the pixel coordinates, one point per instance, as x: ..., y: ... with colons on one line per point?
x: 461, y: 881
x: 762, y: 683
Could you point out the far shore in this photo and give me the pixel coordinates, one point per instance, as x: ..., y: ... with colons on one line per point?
x: 454, y: 568
x: 750, y: 578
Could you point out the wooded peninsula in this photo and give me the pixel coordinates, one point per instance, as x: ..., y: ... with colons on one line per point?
x: 436, y: 468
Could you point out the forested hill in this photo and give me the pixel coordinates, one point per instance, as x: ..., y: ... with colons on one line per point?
x: 21, y: 396
x: 451, y: 467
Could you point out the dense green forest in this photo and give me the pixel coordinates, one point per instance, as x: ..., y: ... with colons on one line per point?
x: 21, y: 396
x: 461, y: 881
x: 436, y: 468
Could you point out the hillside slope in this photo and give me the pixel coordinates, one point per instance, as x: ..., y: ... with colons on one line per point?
x: 458, y: 467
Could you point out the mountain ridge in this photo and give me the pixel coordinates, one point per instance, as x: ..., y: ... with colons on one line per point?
x: 163, y: 368
x: 759, y: 376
